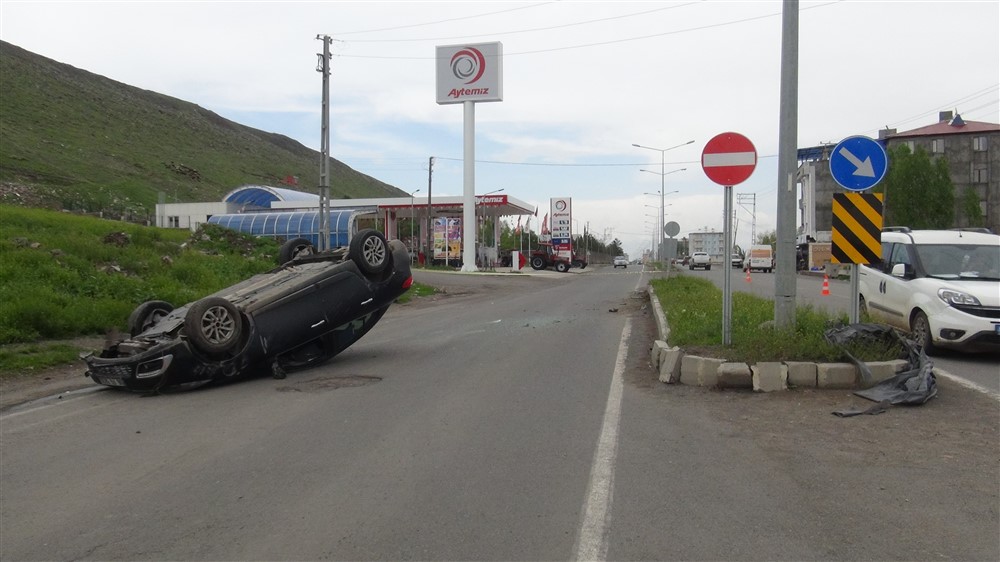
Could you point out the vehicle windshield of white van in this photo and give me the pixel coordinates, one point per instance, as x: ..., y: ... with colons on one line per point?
x: 960, y: 261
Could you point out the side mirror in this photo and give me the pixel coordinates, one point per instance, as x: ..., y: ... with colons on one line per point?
x: 902, y: 270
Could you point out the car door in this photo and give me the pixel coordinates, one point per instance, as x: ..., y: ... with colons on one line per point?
x: 894, y: 289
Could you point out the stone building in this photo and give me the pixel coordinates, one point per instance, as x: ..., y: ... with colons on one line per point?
x: 972, y: 149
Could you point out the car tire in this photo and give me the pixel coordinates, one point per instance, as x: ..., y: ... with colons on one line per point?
x: 214, y: 325
x: 370, y: 251
x: 294, y: 248
x: 862, y: 307
x: 708, y: 268
x: 691, y: 267
x: 562, y: 267
x: 920, y: 329
x: 537, y: 263
x: 146, y: 315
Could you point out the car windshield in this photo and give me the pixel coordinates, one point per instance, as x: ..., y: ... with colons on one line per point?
x: 960, y: 261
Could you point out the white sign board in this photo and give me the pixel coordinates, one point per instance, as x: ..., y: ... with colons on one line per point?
x: 469, y: 73
x: 561, y: 209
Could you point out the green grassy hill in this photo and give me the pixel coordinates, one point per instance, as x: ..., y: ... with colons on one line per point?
x: 70, y: 139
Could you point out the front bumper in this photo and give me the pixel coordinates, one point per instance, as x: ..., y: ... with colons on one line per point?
x: 955, y: 329
x: 148, y: 370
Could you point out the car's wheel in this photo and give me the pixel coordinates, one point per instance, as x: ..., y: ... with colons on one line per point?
x: 146, y: 315
x: 537, y: 262
x: 562, y: 267
x: 294, y: 248
x: 691, y: 267
x: 214, y: 325
x: 370, y: 251
x: 862, y: 307
x: 920, y: 329
x: 708, y: 267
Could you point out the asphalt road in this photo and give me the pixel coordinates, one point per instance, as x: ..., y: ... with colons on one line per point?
x: 981, y: 370
x: 514, y: 418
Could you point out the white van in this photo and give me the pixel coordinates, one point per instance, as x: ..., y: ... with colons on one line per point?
x: 760, y: 257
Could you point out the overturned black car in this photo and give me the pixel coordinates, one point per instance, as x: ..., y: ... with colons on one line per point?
x: 310, y: 308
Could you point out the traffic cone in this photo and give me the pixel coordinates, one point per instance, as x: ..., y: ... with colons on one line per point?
x: 826, y: 286
x: 748, y: 276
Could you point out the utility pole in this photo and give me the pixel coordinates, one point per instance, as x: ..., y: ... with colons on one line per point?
x: 323, y: 66
x: 784, y: 267
x: 742, y: 199
x: 429, y: 251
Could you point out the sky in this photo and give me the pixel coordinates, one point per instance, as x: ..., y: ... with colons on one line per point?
x: 582, y: 83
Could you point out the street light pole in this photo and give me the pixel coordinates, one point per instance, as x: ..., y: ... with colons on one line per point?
x: 663, y: 174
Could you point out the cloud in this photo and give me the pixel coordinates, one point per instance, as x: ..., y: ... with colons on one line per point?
x: 583, y: 81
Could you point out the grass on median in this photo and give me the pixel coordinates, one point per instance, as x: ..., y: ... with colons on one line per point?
x: 693, y: 308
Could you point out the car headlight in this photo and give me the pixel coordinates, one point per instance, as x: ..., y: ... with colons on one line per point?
x: 957, y: 298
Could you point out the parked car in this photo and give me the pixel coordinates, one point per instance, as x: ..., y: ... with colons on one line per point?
x: 620, y: 261
x: 736, y: 261
x: 305, y: 311
x: 700, y: 259
x: 941, y: 286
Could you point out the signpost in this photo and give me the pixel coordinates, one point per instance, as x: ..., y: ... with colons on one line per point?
x: 469, y: 74
x: 728, y: 159
x: 857, y: 163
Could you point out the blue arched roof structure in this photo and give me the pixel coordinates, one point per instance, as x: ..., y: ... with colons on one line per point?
x: 289, y: 225
x: 261, y: 196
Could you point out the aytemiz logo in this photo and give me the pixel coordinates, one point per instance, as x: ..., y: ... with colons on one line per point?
x: 468, y: 62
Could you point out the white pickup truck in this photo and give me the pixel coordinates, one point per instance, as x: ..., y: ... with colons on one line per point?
x: 700, y: 259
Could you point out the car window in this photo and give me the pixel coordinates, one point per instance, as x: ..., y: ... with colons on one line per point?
x: 886, y: 254
x: 900, y: 254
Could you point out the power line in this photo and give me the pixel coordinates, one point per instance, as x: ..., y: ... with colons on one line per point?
x: 613, y: 41
x: 529, y: 30
x: 443, y: 21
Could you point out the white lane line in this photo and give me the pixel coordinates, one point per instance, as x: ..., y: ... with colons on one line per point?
x: 592, y: 538
x: 967, y: 383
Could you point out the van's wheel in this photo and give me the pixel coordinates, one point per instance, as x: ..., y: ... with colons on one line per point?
x: 294, y: 248
x: 537, y: 263
x: 146, y: 315
x: 214, y: 325
x: 370, y: 251
x: 920, y: 329
x: 562, y: 267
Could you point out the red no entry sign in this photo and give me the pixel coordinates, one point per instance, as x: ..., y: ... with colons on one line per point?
x: 729, y: 159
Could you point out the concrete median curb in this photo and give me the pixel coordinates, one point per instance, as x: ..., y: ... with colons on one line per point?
x: 674, y: 366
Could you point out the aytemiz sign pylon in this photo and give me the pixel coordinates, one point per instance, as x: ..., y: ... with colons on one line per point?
x: 729, y: 159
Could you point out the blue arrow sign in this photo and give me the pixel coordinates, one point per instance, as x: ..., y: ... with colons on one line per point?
x: 858, y: 163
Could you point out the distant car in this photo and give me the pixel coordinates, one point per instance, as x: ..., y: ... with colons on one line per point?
x: 700, y: 259
x: 941, y: 286
x: 737, y: 261
x: 621, y: 261
x: 305, y: 311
